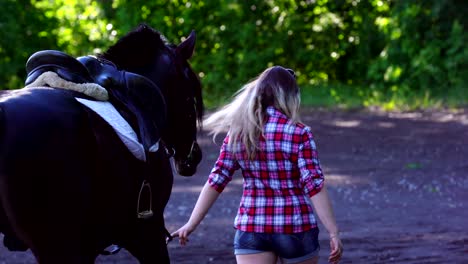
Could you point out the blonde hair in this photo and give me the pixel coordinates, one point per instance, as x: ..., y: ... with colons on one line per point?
x: 245, y: 116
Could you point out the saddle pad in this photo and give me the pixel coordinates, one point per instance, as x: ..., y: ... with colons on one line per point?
x: 126, y: 133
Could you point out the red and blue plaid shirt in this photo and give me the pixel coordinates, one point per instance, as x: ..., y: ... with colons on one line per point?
x: 278, y: 182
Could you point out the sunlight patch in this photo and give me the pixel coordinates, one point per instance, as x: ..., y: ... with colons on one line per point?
x: 348, y: 123
x: 386, y: 124
x: 340, y: 179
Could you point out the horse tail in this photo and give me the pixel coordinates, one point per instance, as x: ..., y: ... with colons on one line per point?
x: 3, y: 132
x: 2, y: 117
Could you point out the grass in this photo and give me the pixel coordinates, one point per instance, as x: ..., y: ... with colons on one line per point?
x: 352, y: 97
x: 344, y: 96
x: 332, y: 96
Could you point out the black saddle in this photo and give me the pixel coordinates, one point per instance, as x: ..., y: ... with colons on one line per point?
x: 138, y: 99
x: 135, y: 97
x: 64, y: 65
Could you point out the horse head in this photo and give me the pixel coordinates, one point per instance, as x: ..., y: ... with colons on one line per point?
x: 145, y: 51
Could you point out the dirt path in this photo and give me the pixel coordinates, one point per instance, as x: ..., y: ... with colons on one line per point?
x: 398, y: 182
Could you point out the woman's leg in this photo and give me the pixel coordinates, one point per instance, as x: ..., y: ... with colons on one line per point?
x: 257, y: 258
x: 313, y: 260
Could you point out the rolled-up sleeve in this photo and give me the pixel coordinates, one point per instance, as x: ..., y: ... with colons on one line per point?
x: 312, y: 178
x: 224, y: 168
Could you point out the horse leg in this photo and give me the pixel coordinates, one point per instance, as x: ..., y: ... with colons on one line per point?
x: 149, y: 244
x: 53, y: 221
x: 151, y: 253
x: 55, y: 257
x: 68, y: 243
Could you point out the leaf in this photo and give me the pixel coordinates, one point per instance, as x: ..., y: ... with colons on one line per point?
x: 414, y: 166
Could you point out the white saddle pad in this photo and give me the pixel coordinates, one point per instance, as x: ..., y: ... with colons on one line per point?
x: 125, y: 132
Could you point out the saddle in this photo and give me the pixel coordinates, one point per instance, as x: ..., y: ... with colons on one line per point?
x: 135, y: 97
x: 133, y: 93
x: 67, y: 67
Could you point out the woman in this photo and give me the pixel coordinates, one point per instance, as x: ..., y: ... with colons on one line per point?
x: 279, y: 163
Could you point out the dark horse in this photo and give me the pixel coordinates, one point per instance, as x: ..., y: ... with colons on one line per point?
x: 69, y: 186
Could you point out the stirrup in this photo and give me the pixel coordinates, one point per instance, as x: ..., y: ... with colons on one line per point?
x: 111, y: 250
x: 148, y: 213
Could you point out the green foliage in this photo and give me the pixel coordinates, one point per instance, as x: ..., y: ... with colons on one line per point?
x: 425, y: 51
x: 79, y: 27
x: 345, y: 52
x: 20, y: 24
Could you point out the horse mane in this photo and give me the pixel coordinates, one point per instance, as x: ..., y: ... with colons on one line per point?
x: 136, y: 49
x: 199, y: 107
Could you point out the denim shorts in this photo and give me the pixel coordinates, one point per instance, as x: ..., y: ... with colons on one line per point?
x: 291, y: 248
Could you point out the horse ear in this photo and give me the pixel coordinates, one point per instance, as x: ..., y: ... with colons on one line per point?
x: 187, y: 47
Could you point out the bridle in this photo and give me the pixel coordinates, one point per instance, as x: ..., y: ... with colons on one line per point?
x: 191, y: 159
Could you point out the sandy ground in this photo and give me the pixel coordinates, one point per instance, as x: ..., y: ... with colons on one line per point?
x: 398, y: 182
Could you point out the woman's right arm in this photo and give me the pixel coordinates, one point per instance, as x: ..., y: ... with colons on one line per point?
x: 219, y: 177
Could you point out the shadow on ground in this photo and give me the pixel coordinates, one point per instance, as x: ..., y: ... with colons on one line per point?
x: 398, y: 182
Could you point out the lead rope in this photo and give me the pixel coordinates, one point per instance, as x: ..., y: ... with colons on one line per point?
x: 169, y: 237
x: 169, y: 154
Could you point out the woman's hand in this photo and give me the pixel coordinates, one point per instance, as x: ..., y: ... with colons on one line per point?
x: 183, y: 233
x: 336, y: 249
x: 205, y: 200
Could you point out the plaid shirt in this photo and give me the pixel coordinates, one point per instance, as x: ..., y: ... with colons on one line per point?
x: 278, y: 182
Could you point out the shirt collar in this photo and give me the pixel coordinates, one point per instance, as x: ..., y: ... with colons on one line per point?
x: 272, y: 111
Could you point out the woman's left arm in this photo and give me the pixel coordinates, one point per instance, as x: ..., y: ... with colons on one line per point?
x: 206, y: 199
x: 324, y: 210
